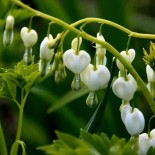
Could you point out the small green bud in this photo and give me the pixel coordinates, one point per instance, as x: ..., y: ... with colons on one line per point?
x: 76, y: 83
x: 92, y: 100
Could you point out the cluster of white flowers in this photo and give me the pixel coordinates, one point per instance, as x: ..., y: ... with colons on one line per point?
x: 95, y: 77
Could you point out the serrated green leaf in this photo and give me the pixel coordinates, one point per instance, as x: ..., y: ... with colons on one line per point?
x: 70, y: 140
x: 96, y: 141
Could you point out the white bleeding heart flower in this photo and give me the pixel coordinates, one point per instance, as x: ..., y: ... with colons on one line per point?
x: 76, y: 43
x: 46, y: 53
x: 29, y: 37
x: 8, y: 32
x: 134, y: 122
x: 124, y: 89
x: 125, y: 110
x: 128, y: 56
x: 95, y: 79
x: 150, y: 74
x: 76, y: 62
x: 146, y: 141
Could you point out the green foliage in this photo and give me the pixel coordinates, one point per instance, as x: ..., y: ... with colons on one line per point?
x: 90, y: 144
x: 21, y: 76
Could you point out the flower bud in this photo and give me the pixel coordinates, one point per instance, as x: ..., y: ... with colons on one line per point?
x: 95, y: 79
x: 76, y: 63
x: 100, y: 37
x: 76, y: 83
x: 76, y: 43
x: 45, y: 52
x: 29, y: 37
x: 128, y: 55
x: 9, y: 22
x: 8, y: 32
x: 92, y: 100
x: 134, y: 122
x: 60, y: 73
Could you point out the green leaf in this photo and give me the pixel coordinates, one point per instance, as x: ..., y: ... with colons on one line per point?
x: 100, y: 143
x: 151, y: 151
x: 3, y: 148
x: 68, y: 98
x: 91, y: 144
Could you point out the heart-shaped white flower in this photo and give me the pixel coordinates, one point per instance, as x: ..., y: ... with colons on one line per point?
x: 76, y: 63
x: 128, y: 55
x: 124, y: 89
x: 134, y: 122
x: 95, y: 79
x: 145, y: 142
x: 45, y: 52
x: 29, y: 37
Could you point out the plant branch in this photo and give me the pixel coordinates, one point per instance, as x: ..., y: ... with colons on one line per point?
x: 110, y: 48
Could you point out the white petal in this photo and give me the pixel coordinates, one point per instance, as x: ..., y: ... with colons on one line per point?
x: 29, y: 37
x: 45, y: 52
x: 150, y: 74
x: 134, y: 122
x: 95, y: 79
x: 125, y: 109
x: 9, y: 22
x: 75, y: 43
x: 128, y: 56
x: 144, y: 144
x: 123, y: 89
x: 76, y: 63
x: 100, y: 37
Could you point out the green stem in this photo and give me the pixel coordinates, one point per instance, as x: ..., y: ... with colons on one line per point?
x: 3, y: 147
x: 14, y: 150
x: 85, y: 20
x: 110, y: 48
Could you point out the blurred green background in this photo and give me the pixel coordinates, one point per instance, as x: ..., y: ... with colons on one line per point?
x: 39, y: 126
